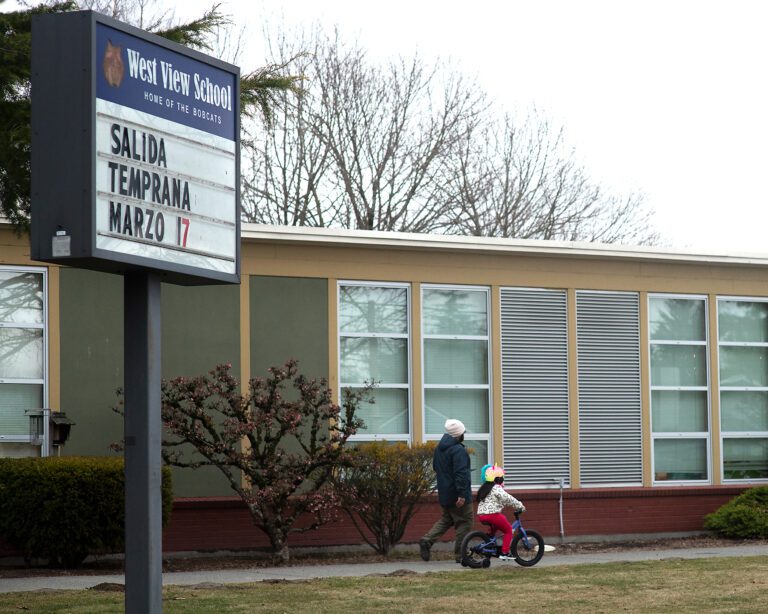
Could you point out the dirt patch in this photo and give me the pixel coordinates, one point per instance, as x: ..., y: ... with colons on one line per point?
x: 109, y: 587
x: 249, y: 561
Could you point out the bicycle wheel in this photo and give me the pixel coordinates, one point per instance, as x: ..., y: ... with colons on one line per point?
x: 527, y: 550
x: 475, y: 551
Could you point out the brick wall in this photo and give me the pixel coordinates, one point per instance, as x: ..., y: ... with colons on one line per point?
x: 224, y: 523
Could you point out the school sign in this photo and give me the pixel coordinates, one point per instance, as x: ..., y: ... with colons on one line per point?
x: 134, y: 152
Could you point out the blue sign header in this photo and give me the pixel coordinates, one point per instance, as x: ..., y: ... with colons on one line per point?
x: 147, y: 77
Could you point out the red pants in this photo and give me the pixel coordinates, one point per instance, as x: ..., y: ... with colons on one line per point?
x: 499, y: 522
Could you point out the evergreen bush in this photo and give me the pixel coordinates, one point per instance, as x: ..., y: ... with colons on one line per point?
x: 65, y: 508
x: 744, y: 516
x: 382, y: 489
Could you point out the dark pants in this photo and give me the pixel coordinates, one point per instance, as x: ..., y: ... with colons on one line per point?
x: 460, y: 518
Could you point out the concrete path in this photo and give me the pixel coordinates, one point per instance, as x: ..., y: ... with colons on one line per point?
x: 241, y: 576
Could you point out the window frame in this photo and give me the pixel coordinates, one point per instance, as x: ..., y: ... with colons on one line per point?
x: 44, y: 326
x: 752, y: 434
x: 681, y: 435
x: 488, y: 337
x: 408, y: 386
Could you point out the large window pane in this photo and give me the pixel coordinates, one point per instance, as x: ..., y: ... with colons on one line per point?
x: 680, y: 459
x: 374, y: 359
x: 478, y: 456
x: 743, y: 366
x: 21, y: 353
x: 743, y: 321
x: 679, y: 411
x: 455, y: 312
x: 678, y: 365
x: 388, y: 414
x: 21, y: 297
x: 674, y: 319
x: 469, y: 406
x: 371, y: 309
x: 745, y: 458
x: 15, y: 399
x: 744, y: 410
x: 455, y: 361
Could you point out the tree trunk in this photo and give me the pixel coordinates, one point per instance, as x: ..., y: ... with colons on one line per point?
x: 283, y: 555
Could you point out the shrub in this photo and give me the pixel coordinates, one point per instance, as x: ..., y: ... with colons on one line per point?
x: 285, y: 436
x: 383, y: 488
x: 744, y: 516
x: 64, y: 509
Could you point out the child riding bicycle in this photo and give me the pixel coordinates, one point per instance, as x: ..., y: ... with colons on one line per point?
x: 491, y: 500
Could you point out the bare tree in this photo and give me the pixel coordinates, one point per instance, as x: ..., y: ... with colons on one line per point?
x: 144, y: 14
x: 363, y: 147
x: 407, y: 146
x: 285, y: 182
x: 518, y: 180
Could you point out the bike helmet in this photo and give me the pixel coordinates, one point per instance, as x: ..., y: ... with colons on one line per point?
x: 483, y: 469
x: 492, y: 472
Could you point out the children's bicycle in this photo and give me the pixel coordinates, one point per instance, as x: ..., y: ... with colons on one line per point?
x: 479, y: 546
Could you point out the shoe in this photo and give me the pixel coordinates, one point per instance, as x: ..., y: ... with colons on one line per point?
x: 424, y: 547
x: 506, y: 557
x: 460, y: 560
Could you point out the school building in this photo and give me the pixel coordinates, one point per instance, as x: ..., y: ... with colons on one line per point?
x: 624, y: 390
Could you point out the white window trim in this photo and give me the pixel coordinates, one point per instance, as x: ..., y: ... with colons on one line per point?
x: 468, y: 436
x: 45, y: 446
x: 365, y: 436
x: 681, y: 435
x: 737, y: 434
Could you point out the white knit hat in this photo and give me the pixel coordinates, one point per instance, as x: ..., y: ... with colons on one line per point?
x: 454, y: 428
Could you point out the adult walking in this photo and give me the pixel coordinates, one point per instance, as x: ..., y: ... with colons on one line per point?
x: 454, y: 490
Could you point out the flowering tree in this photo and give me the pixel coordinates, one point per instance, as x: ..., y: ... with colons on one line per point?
x: 277, y: 454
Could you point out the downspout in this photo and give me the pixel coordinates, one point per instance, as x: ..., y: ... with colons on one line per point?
x: 562, y: 526
x: 561, y: 482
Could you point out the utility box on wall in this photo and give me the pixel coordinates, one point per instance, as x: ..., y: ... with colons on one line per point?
x: 135, y: 152
x: 48, y: 429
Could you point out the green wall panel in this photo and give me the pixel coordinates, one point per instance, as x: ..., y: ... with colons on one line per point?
x: 91, y: 358
x: 200, y: 329
x: 289, y: 319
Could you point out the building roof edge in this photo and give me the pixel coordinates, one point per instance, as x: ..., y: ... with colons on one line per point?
x: 489, y: 245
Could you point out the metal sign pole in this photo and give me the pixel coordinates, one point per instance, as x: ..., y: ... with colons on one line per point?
x: 143, y: 441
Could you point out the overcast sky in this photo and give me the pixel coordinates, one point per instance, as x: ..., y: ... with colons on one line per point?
x: 668, y: 98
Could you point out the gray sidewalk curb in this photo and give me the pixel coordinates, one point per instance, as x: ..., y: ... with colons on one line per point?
x: 308, y: 572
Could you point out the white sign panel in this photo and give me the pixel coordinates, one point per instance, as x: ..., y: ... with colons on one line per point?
x: 164, y: 190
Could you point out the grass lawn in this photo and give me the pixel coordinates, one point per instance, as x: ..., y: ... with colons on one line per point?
x: 737, y: 584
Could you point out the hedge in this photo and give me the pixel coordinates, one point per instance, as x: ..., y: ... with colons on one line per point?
x: 744, y: 516
x: 63, y: 509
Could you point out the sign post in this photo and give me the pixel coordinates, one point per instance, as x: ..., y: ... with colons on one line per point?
x: 143, y: 437
x: 135, y: 171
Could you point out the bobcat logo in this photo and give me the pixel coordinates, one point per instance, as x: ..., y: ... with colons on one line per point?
x: 113, y: 65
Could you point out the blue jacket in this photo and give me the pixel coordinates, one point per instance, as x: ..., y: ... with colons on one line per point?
x: 451, y: 464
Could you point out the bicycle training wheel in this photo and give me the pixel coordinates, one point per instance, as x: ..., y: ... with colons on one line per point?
x: 527, y: 550
x: 474, y: 550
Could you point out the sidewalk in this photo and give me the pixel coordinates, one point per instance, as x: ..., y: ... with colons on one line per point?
x: 241, y: 576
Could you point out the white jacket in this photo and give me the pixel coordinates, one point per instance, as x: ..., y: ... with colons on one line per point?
x: 497, y: 500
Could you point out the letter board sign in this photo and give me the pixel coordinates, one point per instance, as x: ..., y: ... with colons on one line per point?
x: 135, y: 152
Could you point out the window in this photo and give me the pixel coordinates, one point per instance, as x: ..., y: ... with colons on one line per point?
x: 679, y: 388
x: 22, y: 350
x: 742, y: 326
x: 374, y: 347
x: 456, y: 366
